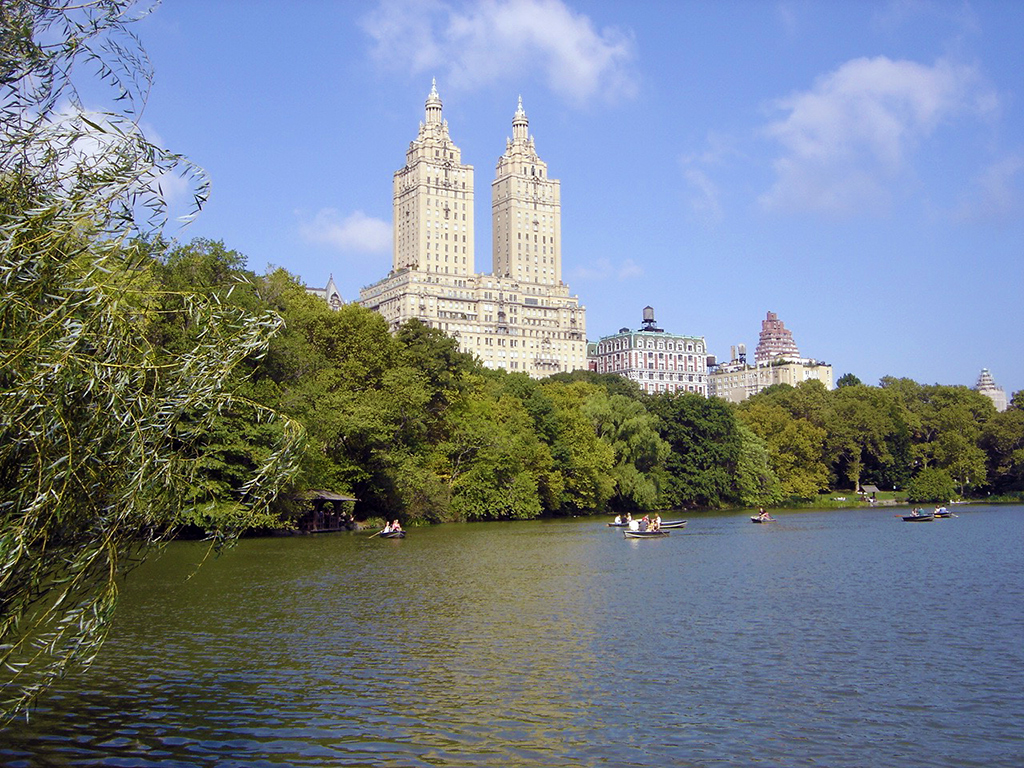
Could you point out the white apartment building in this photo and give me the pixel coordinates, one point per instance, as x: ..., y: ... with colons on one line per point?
x: 521, y: 317
x: 987, y: 386
x: 737, y: 380
x: 657, y: 361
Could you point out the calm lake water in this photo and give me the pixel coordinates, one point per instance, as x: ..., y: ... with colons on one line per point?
x: 840, y: 638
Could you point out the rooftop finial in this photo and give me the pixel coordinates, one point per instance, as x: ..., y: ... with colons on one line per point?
x: 520, y: 122
x: 433, y: 104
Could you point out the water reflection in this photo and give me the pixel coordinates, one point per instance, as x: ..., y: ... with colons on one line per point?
x: 840, y: 638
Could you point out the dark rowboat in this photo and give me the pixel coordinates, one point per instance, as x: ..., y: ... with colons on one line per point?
x: 756, y: 519
x: 674, y: 524
x: 644, y: 534
x: 393, y: 535
x: 618, y: 525
x: 918, y: 518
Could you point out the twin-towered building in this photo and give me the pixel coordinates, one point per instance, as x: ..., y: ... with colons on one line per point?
x: 520, y: 317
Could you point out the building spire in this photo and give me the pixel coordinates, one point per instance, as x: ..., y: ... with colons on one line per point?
x: 433, y: 104
x: 520, y: 124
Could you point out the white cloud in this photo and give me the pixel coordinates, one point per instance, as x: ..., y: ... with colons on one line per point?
x: 997, y: 193
x: 705, y: 197
x: 356, y: 232
x: 603, y: 269
x: 473, y: 44
x: 851, y: 136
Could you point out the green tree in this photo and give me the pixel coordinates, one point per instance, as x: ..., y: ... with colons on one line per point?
x: 584, y: 460
x: 705, y: 447
x: 859, y: 430
x: 795, y: 447
x: 757, y: 485
x: 99, y: 434
x: 625, y: 425
x: 931, y: 485
x: 1003, y: 441
x: 495, y: 463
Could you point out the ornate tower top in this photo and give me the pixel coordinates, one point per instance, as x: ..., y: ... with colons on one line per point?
x: 987, y: 386
x: 520, y: 124
x: 433, y: 104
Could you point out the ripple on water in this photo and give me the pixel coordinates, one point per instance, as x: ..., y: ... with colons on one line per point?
x: 839, y: 639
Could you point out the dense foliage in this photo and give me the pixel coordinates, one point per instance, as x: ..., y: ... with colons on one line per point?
x: 416, y: 429
x: 148, y: 385
x: 106, y: 426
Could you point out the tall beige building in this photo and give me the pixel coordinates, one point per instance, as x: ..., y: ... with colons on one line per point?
x: 433, y: 201
x: 526, y: 212
x: 519, y: 318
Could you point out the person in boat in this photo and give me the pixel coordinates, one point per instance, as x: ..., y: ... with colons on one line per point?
x: 395, y: 527
x: 645, y: 523
x: 762, y: 515
x: 656, y: 523
x: 618, y: 519
x: 916, y: 512
x: 629, y: 517
x: 634, y: 525
x: 387, y: 527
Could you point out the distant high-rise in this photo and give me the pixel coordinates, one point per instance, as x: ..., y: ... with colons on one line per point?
x: 987, y: 386
x: 776, y: 342
x: 519, y: 318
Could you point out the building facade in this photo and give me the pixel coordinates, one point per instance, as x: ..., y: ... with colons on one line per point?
x: 776, y: 361
x: 656, y: 360
x: 521, y: 317
x: 330, y: 294
x: 737, y: 380
x: 987, y: 386
x: 775, y: 342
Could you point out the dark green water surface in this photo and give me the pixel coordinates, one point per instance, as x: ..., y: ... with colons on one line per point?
x: 840, y: 638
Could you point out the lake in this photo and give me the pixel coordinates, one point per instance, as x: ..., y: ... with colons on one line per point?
x: 829, y: 638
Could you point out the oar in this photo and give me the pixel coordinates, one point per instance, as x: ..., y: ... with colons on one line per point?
x: 378, y: 533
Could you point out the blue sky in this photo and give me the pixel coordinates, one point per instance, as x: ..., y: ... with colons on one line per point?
x: 855, y: 167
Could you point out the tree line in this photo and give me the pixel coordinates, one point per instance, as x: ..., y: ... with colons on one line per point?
x: 415, y: 428
x: 147, y: 385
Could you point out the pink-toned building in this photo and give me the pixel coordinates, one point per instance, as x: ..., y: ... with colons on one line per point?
x: 776, y: 361
x: 776, y: 342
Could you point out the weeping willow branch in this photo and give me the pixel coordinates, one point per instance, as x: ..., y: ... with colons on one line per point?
x: 99, y: 432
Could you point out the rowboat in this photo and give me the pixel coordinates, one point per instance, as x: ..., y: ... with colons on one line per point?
x: 618, y: 525
x: 392, y: 535
x: 756, y: 519
x: 644, y: 534
x: 674, y: 524
x: 918, y: 518
x: 943, y: 512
